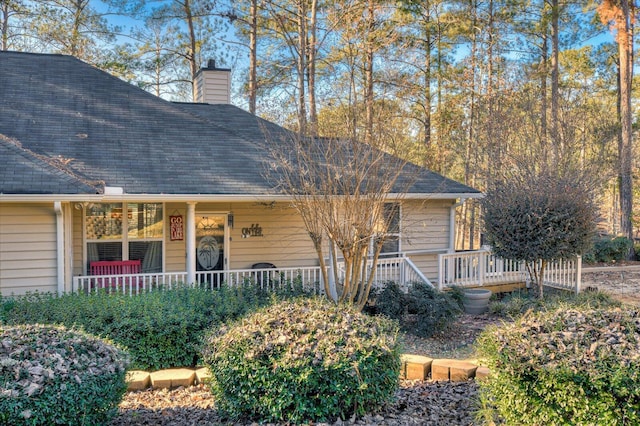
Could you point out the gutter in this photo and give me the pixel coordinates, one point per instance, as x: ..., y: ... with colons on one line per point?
x: 57, y: 207
x: 114, y: 196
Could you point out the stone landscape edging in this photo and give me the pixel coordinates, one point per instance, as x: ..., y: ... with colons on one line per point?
x: 414, y: 367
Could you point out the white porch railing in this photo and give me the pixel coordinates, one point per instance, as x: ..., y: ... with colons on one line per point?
x: 482, y: 268
x: 269, y: 279
x: 400, y: 270
x: 309, y: 278
x: 463, y: 269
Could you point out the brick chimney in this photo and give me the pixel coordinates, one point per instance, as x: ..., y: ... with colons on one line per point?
x: 213, y: 85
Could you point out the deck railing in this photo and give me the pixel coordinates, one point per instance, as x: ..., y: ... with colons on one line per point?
x: 482, y: 268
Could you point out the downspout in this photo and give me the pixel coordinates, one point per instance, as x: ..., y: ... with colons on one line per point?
x: 452, y: 225
x: 190, y: 234
x: 57, y: 206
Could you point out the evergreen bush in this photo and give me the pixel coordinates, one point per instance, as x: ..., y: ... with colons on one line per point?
x: 422, y: 311
x: 608, y: 249
x: 50, y: 375
x: 514, y: 305
x: 303, y: 360
x: 565, y: 367
x: 160, y: 329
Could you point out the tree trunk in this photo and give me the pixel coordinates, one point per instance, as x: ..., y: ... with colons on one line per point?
x: 536, y: 275
x: 5, y: 25
x: 191, y: 55
x: 158, y: 70
x: 368, y: 72
x: 253, y: 56
x: 75, y: 31
x: 301, y: 65
x: 625, y: 50
x: 555, y: 93
x: 427, y: 75
x: 311, y: 68
x: 544, y: 60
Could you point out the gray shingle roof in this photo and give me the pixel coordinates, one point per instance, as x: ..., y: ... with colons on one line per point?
x: 104, y: 129
x: 24, y: 172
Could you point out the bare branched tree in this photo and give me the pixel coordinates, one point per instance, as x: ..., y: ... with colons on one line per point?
x: 347, y: 194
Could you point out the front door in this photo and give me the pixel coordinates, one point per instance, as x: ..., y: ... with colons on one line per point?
x: 210, y: 244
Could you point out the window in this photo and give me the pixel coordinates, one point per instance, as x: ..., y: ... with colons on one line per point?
x: 391, y: 245
x: 106, y: 240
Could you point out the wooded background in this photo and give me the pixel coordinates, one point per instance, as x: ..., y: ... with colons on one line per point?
x: 472, y: 89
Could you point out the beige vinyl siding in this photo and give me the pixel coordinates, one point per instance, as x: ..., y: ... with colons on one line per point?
x: 175, y: 251
x: 425, y: 226
x: 284, y: 243
x: 27, y: 248
x: 213, y: 86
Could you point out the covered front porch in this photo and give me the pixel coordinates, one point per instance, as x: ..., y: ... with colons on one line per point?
x: 469, y: 269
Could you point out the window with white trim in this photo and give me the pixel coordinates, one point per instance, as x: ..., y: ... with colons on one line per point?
x: 391, y: 245
x: 125, y: 231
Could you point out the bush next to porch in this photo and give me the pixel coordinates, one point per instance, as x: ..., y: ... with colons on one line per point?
x: 161, y: 329
x: 422, y: 311
x: 568, y: 366
x: 303, y: 360
x: 51, y: 375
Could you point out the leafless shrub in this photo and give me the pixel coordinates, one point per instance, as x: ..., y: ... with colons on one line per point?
x: 341, y: 188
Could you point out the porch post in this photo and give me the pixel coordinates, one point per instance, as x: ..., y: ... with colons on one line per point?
x: 452, y: 225
x: 57, y: 207
x: 190, y: 234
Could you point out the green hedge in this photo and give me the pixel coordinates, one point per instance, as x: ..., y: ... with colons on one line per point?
x: 607, y: 249
x: 50, y: 375
x: 161, y: 329
x: 303, y: 360
x: 565, y: 367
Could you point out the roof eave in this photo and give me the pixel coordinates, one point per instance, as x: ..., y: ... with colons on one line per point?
x: 440, y: 195
x: 16, y: 198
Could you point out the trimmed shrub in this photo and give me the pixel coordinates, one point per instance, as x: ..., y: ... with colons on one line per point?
x: 303, y: 360
x: 539, y: 215
x: 422, y: 311
x: 51, y: 375
x: 514, y: 305
x: 608, y: 250
x: 565, y: 367
x: 161, y: 329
